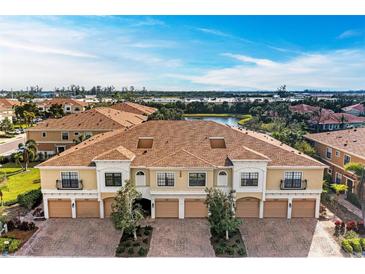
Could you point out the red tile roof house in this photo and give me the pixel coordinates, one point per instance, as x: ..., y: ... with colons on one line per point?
x: 7, y: 108
x: 357, y: 109
x: 68, y: 105
x: 322, y: 119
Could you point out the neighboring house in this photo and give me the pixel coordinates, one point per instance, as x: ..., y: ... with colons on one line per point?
x: 357, y: 109
x: 7, y: 108
x: 172, y: 162
x: 339, y: 148
x: 322, y: 119
x: 68, y: 105
x: 56, y: 135
x: 134, y: 108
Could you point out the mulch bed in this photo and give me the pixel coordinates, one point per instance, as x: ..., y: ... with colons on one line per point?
x: 233, y: 247
x: 21, y: 235
x: 128, y: 247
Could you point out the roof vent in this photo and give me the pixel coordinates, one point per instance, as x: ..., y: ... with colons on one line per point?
x: 217, y: 142
x: 145, y: 142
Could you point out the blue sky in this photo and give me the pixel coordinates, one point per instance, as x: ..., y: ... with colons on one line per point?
x: 183, y: 52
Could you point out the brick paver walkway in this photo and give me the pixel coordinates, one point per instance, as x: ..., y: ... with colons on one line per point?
x: 350, y: 207
x: 73, y: 237
x: 180, y: 238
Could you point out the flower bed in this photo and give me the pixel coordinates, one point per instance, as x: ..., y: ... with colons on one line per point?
x: 128, y: 247
x: 233, y: 247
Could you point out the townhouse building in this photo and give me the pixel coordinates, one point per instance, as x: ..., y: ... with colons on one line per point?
x: 172, y: 162
x: 357, y: 109
x: 54, y: 136
x: 68, y: 105
x: 338, y: 148
x: 134, y: 108
x: 7, y: 108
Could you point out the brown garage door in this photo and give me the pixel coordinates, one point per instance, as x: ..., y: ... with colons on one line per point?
x: 87, y: 209
x: 108, y: 206
x: 276, y: 208
x: 248, y: 208
x: 195, y: 208
x: 59, y: 208
x: 303, y: 208
x: 167, y: 208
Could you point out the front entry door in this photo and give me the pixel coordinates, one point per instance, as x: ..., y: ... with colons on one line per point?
x: 350, y: 184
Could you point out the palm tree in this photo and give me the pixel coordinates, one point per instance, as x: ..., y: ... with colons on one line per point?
x: 359, y: 170
x: 27, y: 152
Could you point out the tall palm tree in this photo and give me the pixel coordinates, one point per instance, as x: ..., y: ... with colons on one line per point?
x: 27, y: 152
x: 359, y: 170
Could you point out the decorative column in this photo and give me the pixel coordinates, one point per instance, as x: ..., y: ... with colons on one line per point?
x: 318, y: 203
x: 261, y: 213
x: 101, y: 209
x: 73, y: 208
x: 290, y: 206
x: 153, y: 208
x: 45, y: 207
x: 181, y: 208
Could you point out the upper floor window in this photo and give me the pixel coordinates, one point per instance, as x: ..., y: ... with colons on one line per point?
x: 293, y: 179
x: 64, y: 135
x: 44, y: 134
x: 338, y: 178
x: 113, y: 179
x: 337, y: 153
x: 165, y: 179
x: 222, y: 178
x: 197, y: 179
x: 69, y: 179
x: 346, y: 159
x: 249, y: 179
x: 329, y: 153
x: 140, y: 178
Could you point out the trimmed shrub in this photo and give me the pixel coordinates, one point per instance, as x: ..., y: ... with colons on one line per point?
x: 142, y: 252
x: 230, y: 250
x: 11, y: 225
x: 362, y: 242
x: 346, y: 245
x: 351, y: 235
x: 241, y: 252
x: 355, y: 243
x: 30, y: 199
x: 13, y: 246
x: 130, y: 251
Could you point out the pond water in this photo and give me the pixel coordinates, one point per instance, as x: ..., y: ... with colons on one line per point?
x: 231, y: 121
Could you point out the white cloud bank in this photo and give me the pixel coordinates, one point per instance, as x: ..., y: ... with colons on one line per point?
x: 340, y: 69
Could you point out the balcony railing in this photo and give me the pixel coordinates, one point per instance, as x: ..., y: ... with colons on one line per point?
x: 69, y: 184
x: 295, y: 184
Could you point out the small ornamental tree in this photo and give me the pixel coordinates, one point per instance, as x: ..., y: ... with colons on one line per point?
x: 27, y: 152
x: 126, y: 214
x: 338, y: 189
x: 359, y: 171
x: 221, y: 208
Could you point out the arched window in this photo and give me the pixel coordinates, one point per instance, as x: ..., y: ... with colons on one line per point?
x: 222, y: 178
x: 140, y: 178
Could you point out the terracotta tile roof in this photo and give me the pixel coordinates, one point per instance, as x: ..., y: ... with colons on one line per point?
x: 307, y: 109
x: 119, y: 153
x: 337, y: 118
x: 184, y: 143
x: 134, y: 108
x: 350, y: 140
x: 102, y: 118
x: 9, y: 103
x: 63, y: 101
x: 359, y: 107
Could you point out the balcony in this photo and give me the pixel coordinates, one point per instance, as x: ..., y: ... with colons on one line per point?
x: 69, y: 184
x: 290, y: 184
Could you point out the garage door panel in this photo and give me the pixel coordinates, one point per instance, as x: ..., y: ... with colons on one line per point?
x: 303, y: 208
x: 195, y: 209
x: 108, y: 207
x: 167, y: 208
x: 87, y: 209
x: 275, y: 208
x: 248, y: 208
x: 59, y: 209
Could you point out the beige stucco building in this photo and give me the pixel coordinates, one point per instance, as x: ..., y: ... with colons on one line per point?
x: 172, y: 162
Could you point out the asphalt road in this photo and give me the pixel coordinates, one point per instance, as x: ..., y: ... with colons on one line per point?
x: 10, y: 146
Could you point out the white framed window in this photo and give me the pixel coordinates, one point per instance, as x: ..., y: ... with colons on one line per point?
x: 60, y: 149
x: 64, y: 136
x: 346, y: 159
x: 329, y: 153
x: 338, y: 178
x: 329, y: 171
x: 222, y: 178
x: 198, y: 179
x: 249, y: 178
x: 165, y: 179
x: 338, y: 153
x: 140, y: 178
x: 44, y: 134
x: 76, y: 133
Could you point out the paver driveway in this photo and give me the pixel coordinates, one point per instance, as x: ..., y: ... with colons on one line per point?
x: 304, y: 237
x: 73, y: 237
x: 180, y: 238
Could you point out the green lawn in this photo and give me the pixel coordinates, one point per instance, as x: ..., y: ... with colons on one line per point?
x: 19, y: 183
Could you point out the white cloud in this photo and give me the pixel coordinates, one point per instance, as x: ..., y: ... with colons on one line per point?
x: 341, y: 69
x: 349, y: 34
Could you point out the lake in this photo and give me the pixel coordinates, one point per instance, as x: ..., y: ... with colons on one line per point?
x: 231, y: 121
